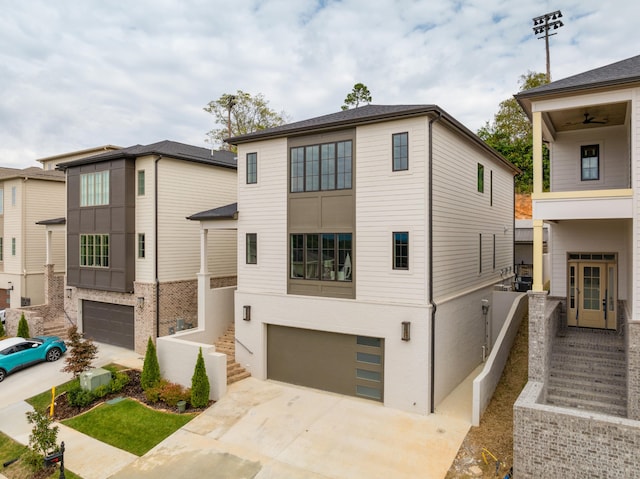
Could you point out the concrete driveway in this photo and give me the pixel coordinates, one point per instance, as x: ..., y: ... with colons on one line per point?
x: 264, y: 430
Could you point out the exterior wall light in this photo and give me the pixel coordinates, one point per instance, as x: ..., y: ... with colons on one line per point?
x: 68, y: 290
x: 10, y: 286
x: 246, y: 313
x: 406, y: 330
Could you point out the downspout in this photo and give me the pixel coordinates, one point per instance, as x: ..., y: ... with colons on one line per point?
x: 155, y: 242
x: 431, y: 302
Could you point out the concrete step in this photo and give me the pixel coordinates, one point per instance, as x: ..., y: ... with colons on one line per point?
x: 238, y: 377
x: 604, y: 353
x: 588, y: 405
x: 586, y: 378
x: 615, y: 396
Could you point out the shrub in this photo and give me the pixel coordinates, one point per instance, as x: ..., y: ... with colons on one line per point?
x: 118, y: 381
x: 3, y: 333
x: 150, y: 376
x: 81, y: 353
x: 76, y: 396
x: 23, y: 328
x: 171, y: 393
x: 42, y: 440
x: 199, y: 384
x: 153, y: 394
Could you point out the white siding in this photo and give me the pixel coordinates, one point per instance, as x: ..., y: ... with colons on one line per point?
x: 604, y: 236
x: 614, y: 159
x: 635, y: 159
x: 262, y: 209
x: 145, y: 209
x: 185, y: 188
x: 387, y: 202
x: 461, y: 214
x: 13, y: 222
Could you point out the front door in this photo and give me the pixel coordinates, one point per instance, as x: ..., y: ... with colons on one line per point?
x: 592, y: 298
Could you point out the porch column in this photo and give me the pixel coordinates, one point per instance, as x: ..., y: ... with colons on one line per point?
x: 538, y: 224
x: 204, y: 278
x: 48, y: 246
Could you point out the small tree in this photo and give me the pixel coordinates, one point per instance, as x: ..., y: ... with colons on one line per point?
x: 150, y: 376
x: 42, y: 440
x: 199, y: 384
x: 23, y: 328
x: 81, y: 352
x: 3, y: 333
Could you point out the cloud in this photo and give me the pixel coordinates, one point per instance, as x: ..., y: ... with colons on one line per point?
x: 75, y: 75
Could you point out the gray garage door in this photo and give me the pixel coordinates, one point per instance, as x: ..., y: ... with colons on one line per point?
x: 108, y: 323
x: 340, y: 363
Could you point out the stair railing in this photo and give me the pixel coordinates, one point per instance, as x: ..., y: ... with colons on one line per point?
x: 240, y: 343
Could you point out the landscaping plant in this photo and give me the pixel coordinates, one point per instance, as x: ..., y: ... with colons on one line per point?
x: 42, y: 440
x: 3, y: 333
x: 150, y: 376
x: 23, y: 328
x: 199, y: 384
x: 81, y: 352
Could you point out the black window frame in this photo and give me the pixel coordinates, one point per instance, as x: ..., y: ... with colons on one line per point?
x: 583, y: 156
x: 400, y: 152
x: 480, y: 178
x: 400, y: 250
x: 142, y: 247
x: 252, y: 168
x: 307, y: 167
x: 251, y: 241
x: 321, y: 257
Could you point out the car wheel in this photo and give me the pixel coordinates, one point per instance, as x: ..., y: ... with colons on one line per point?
x: 3, y: 373
x: 53, y: 354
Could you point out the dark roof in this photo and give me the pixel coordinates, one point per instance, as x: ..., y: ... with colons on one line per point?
x: 54, y: 221
x: 172, y: 149
x: 32, y: 172
x: 619, y: 73
x: 361, y: 116
x: 223, y: 212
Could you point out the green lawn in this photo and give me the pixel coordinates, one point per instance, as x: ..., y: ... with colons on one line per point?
x: 10, y: 449
x: 128, y: 425
x: 43, y: 400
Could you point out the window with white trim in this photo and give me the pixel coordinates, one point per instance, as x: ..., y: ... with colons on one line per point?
x: 141, y: 245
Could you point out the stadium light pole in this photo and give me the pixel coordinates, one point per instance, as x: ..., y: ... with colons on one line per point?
x: 541, y: 26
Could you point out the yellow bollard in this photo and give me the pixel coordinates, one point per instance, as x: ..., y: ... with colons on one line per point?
x: 53, y: 398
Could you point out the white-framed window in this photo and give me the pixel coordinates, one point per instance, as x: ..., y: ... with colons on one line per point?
x: 94, y: 250
x: 94, y: 188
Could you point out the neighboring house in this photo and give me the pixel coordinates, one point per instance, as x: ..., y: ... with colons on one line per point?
x: 27, y: 196
x: 51, y: 162
x: 579, y: 413
x: 132, y: 256
x: 370, y: 240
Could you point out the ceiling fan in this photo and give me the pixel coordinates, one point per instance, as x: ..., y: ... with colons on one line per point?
x: 589, y: 120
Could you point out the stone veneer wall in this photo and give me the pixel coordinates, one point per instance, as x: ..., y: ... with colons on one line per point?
x: 544, y: 321
x: 53, y: 289
x: 550, y: 441
x: 145, y: 316
x: 633, y: 370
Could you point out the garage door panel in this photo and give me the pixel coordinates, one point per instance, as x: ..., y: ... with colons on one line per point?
x: 108, y: 323
x: 340, y: 363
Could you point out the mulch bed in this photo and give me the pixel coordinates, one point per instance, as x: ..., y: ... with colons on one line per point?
x: 132, y: 390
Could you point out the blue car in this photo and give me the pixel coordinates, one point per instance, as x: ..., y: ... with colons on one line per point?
x: 19, y: 353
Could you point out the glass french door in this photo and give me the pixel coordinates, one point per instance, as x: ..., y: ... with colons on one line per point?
x: 592, y: 297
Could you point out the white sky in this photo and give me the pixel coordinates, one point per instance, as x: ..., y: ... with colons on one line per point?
x: 75, y: 74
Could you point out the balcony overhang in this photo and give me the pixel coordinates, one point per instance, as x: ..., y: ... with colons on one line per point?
x: 581, y: 205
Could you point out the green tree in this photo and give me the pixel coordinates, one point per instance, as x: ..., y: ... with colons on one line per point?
x: 23, y: 328
x: 199, y: 384
x: 81, y: 352
x: 359, y: 94
x: 150, y: 376
x: 510, y: 133
x: 42, y: 440
x: 239, y: 113
x: 3, y: 333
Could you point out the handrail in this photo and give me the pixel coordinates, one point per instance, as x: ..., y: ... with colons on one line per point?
x: 68, y: 318
x: 240, y: 343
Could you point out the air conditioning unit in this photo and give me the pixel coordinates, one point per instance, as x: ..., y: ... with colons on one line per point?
x: 92, y: 379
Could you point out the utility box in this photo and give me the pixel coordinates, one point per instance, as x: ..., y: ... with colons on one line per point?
x: 91, y: 379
